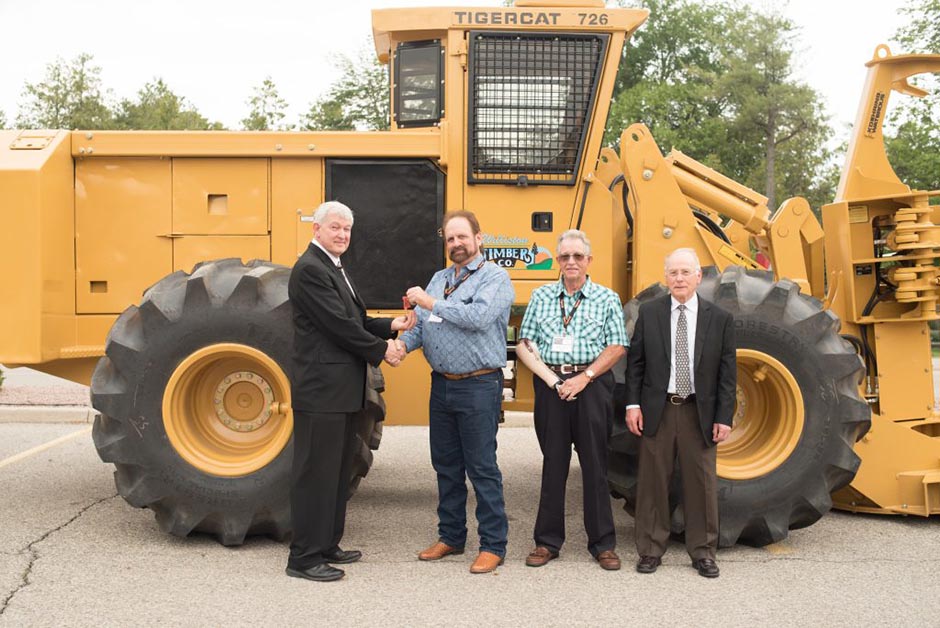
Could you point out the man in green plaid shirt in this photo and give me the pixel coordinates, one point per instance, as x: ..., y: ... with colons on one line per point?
x: 576, y: 327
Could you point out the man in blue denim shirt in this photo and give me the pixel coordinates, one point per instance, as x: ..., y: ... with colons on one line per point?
x: 462, y: 320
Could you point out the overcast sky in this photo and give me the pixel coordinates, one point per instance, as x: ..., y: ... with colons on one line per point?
x: 213, y: 52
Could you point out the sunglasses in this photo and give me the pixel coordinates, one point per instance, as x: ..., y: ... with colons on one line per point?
x: 575, y: 256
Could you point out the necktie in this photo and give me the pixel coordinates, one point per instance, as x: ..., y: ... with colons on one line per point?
x: 349, y: 285
x: 683, y: 377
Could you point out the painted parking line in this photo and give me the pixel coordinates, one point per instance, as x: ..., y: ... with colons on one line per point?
x: 41, y: 448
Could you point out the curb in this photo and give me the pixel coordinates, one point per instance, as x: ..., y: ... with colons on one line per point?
x: 47, y: 414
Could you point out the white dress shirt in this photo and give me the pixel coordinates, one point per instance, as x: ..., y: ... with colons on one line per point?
x: 691, y: 316
x: 340, y: 266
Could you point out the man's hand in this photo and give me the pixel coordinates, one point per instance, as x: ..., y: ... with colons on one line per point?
x: 417, y: 296
x: 392, y: 353
x: 572, y: 386
x: 402, y: 350
x: 635, y: 421
x: 720, y: 432
x: 404, y: 322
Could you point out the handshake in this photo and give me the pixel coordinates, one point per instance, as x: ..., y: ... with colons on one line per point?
x: 395, y: 352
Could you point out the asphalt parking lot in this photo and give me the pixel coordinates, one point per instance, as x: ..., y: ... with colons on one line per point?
x: 76, y: 554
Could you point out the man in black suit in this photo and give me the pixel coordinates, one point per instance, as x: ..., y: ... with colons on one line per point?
x: 681, y: 383
x: 334, y: 340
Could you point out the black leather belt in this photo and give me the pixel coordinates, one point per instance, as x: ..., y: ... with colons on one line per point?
x: 568, y: 369
x: 676, y: 400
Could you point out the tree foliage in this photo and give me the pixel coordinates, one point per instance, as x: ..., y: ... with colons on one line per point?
x: 70, y: 96
x: 359, y: 99
x: 157, y: 107
x: 268, y: 109
x: 912, y: 133
x: 3, y: 120
x: 715, y: 81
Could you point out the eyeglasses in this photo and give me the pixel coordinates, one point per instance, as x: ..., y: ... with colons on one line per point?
x: 578, y: 257
x: 680, y: 272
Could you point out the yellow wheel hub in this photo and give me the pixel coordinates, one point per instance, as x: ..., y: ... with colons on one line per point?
x: 226, y: 410
x: 768, y: 420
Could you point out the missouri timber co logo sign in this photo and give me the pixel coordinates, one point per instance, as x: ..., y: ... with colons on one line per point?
x: 510, y: 252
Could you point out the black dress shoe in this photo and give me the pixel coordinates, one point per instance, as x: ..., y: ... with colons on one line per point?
x: 343, y: 557
x: 320, y: 573
x: 707, y: 568
x: 648, y: 564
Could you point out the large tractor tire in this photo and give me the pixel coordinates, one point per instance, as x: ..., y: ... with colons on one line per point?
x: 797, y: 418
x: 194, y: 402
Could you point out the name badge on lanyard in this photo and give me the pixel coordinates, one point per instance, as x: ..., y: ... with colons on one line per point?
x: 565, y: 342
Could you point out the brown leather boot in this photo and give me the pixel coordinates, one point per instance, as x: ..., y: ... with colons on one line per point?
x: 438, y: 551
x: 486, y: 562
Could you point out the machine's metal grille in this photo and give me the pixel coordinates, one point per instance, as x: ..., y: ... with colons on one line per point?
x: 531, y: 101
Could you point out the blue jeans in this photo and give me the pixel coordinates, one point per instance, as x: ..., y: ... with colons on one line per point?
x: 464, y: 417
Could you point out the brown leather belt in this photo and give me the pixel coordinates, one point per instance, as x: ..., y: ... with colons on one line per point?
x: 676, y: 400
x: 568, y: 369
x: 456, y: 376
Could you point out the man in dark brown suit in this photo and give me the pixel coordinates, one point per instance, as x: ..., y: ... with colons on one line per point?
x: 681, y: 382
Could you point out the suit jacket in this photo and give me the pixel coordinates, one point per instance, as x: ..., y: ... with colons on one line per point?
x: 334, y: 339
x: 714, y: 368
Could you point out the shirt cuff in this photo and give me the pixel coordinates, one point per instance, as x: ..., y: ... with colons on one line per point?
x: 633, y: 405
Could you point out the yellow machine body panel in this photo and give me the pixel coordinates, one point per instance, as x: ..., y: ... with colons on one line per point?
x: 93, y: 218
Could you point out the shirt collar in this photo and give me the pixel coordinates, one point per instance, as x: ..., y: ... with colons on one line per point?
x: 331, y: 256
x: 691, y: 305
x: 587, y: 290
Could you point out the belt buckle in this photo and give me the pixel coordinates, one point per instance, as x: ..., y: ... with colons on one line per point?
x: 676, y: 400
x: 567, y: 369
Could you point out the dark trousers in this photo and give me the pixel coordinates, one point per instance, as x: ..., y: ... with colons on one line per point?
x: 319, y: 489
x: 464, y: 417
x: 679, y: 432
x: 583, y: 423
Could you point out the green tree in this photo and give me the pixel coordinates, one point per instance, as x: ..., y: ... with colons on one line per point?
x: 715, y: 81
x: 777, y: 129
x: 912, y: 133
x: 268, y: 109
x: 357, y: 100
x: 158, y: 108
x: 70, y: 96
x: 3, y: 120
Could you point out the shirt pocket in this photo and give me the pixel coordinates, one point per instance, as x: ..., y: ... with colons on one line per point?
x: 549, y: 324
x: 591, y: 331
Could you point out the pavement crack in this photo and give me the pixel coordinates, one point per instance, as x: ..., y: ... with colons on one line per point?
x: 33, y: 553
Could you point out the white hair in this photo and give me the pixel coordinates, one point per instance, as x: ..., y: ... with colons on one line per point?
x: 683, y: 251
x: 574, y: 234
x: 332, y: 208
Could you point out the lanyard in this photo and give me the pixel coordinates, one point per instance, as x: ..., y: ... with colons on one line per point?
x: 561, y: 302
x: 449, y: 289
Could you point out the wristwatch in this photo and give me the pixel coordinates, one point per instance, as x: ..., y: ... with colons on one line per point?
x: 558, y: 384
x: 590, y: 374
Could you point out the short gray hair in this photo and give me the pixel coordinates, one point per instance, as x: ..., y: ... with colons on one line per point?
x: 332, y: 208
x: 574, y: 234
x: 683, y: 251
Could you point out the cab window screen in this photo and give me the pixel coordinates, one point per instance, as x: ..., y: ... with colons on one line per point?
x: 531, y: 101
x: 419, y: 97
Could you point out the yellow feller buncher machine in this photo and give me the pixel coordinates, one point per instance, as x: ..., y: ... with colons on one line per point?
x: 502, y: 111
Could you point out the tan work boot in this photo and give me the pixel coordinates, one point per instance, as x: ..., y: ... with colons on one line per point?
x: 486, y: 562
x: 438, y: 551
